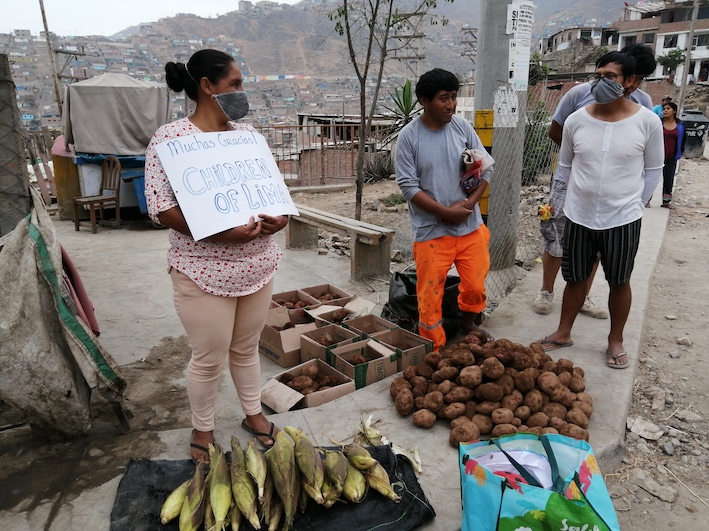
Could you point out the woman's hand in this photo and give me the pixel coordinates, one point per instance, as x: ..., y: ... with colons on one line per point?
x: 272, y: 224
x: 241, y: 234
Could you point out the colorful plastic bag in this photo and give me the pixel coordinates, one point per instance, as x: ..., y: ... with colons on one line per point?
x: 514, y: 498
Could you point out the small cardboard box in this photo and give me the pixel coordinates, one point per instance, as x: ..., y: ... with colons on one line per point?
x: 281, y: 398
x: 295, y: 296
x: 369, y: 324
x: 340, y: 296
x: 380, y: 361
x: 410, y: 348
x: 336, y: 335
x: 283, y: 346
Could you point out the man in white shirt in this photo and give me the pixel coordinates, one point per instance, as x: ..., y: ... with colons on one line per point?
x: 611, y: 156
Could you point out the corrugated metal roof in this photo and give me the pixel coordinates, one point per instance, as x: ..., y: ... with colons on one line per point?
x: 649, y: 7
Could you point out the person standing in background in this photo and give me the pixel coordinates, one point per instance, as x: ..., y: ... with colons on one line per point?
x: 222, y: 285
x: 673, y: 133
x: 553, y: 229
x: 657, y: 109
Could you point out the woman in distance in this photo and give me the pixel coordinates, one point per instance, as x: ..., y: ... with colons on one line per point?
x: 222, y: 285
x: 673, y: 132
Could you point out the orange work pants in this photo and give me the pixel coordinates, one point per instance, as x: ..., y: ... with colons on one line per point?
x: 434, y: 259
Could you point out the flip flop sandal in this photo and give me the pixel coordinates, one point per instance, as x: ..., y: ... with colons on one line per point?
x: 550, y: 344
x: 615, y: 358
x: 259, y: 434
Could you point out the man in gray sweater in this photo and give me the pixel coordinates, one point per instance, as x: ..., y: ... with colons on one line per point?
x: 446, y: 221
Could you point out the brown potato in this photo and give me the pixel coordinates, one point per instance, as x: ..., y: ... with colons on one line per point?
x: 410, y: 371
x: 564, y: 365
x: 585, y: 397
x: 471, y: 376
x: 583, y: 406
x: 458, y: 394
x: 433, y: 401
x: 466, y: 432
x: 487, y: 407
x: 526, y: 380
x: 538, y: 419
x: 522, y: 361
x: 577, y: 385
x: 470, y: 409
x: 462, y: 358
x: 491, y: 391
x: 425, y: 370
x: 534, y: 401
x: 446, y: 373
x: 554, y: 409
x: 549, y: 429
x: 404, y: 402
x: 417, y: 380
x: 565, y: 378
x: 302, y: 382
x: 549, y: 383
x: 432, y: 359
x: 418, y: 403
x: 420, y: 390
x: 424, y: 418
x: 502, y: 416
x: 556, y: 422
x: 578, y: 417
x: 454, y: 410
x: 507, y: 383
x: 513, y: 400
x: 445, y: 387
x: 307, y: 391
x: 397, y: 385
x: 310, y: 370
x: 458, y: 421
x: 572, y: 430
x: 523, y: 413
x: 492, y: 368
x: 503, y: 429
x: 516, y: 422
x: 578, y: 371
x: 483, y: 422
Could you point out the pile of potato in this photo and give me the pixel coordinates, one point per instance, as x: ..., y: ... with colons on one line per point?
x: 309, y: 380
x: 292, y: 304
x: 493, y: 389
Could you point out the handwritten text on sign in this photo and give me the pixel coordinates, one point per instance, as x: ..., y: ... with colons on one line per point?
x: 222, y: 179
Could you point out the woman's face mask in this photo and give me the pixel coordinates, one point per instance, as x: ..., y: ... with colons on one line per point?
x: 234, y: 104
x: 606, y: 91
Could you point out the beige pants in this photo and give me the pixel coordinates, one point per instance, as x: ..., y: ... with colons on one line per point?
x: 217, y: 326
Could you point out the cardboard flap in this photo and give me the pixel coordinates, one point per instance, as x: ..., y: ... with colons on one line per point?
x: 359, y: 307
x: 279, y: 397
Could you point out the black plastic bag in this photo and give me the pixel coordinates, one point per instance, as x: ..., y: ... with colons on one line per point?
x: 402, y: 307
x: 146, y: 484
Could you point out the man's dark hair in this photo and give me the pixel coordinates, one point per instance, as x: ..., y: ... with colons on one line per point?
x: 212, y: 64
x: 645, y: 63
x: 434, y: 81
x: 625, y: 61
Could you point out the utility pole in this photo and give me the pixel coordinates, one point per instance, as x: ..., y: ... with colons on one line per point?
x: 55, y: 77
x: 406, y: 51
x: 469, y: 44
x: 688, y: 55
x: 501, y: 84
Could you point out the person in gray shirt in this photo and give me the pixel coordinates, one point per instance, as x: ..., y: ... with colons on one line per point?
x: 445, y: 218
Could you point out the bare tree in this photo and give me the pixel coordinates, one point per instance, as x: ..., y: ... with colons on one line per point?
x: 369, y: 26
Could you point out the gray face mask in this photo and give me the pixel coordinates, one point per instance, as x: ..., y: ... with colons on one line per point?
x: 606, y: 91
x: 234, y: 104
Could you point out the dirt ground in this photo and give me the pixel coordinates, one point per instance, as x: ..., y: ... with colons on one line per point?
x: 653, y: 489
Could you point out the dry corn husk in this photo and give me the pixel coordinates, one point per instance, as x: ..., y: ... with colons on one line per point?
x: 330, y: 493
x: 335, y: 466
x: 220, y: 491
x: 309, y: 463
x: 359, y: 457
x: 266, y: 502
x: 235, y: 517
x: 242, y: 485
x: 276, y: 515
x: 281, y: 464
x: 192, y: 513
x: 173, y: 504
x: 378, y: 479
x: 256, y: 466
x: 355, y: 487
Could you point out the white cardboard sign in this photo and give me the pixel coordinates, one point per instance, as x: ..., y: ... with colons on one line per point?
x: 221, y: 179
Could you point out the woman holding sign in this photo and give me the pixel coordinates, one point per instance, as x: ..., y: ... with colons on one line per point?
x: 222, y: 284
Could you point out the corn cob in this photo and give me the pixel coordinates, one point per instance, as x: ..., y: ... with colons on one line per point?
x: 359, y: 457
x: 235, y: 517
x: 267, y: 501
x: 330, y: 493
x: 192, y: 513
x: 242, y: 485
x: 209, y: 521
x: 219, y: 487
x: 276, y: 515
x: 256, y: 466
x: 309, y: 463
x: 355, y: 487
x: 173, y: 504
x: 335, y: 467
x: 378, y: 479
x: 281, y: 464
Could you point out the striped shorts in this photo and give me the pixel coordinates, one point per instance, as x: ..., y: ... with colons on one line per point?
x: 616, y: 246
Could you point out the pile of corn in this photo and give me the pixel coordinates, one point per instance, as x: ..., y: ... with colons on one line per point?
x: 267, y: 489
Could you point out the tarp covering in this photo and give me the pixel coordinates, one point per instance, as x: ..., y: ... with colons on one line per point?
x: 114, y: 114
x: 49, y: 359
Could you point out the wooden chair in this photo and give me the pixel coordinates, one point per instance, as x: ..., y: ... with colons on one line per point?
x: 109, y: 195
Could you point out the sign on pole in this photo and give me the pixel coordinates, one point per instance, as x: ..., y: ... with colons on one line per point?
x: 222, y: 179
x: 520, y: 17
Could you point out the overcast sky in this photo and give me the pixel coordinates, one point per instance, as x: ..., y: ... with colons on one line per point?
x: 103, y: 17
